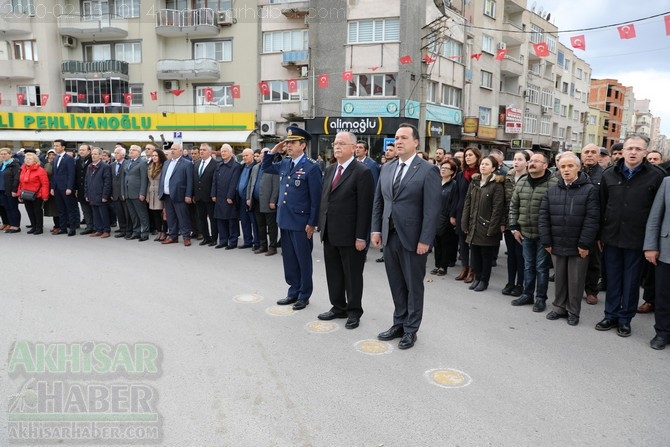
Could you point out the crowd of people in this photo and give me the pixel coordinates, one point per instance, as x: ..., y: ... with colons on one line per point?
x: 599, y: 218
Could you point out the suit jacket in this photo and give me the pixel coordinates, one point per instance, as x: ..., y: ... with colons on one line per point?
x: 181, y: 181
x: 224, y: 187
x: 374, y: 168
x: 415, y: 209
x: 346, y: 211
x: 64, y: 175
x: 202, y: 185
x: 135, y: 182
x: 657, y: 234
x: 268, y: 190
x: 98, y: 183
x: 118, y: 180
x: 299, y: 190
x: 81, y: 165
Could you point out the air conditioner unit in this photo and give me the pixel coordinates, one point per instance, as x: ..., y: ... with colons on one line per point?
x: 69, y: 42
x: 545, y: 110
x: 268, y: 127
x: 502, y: 45
x: 224, y: 18
x: 168, y: 86
x: 303, y: 71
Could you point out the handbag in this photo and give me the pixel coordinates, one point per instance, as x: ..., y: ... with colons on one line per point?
x: 28, y: 196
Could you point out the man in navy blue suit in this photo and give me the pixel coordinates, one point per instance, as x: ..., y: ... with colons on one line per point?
x: 63, y: 189
x: 176, y: 190
x: 297, y: 211
x: 362, y: 156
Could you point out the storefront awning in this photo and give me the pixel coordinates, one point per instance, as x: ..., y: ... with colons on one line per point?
x: 232, y: 136
x: 473, y: 139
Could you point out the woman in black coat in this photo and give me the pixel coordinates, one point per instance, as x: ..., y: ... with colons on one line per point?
x: 9, y: 186
x: 446, y: 239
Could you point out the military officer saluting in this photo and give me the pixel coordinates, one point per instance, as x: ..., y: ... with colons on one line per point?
x: 297, y: 211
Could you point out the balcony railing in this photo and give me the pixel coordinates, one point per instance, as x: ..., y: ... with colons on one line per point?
x: 88, y: 25
x: 110, y: 67
x: 186, y: 17
x: 295, y: 57
x: 188, y: 69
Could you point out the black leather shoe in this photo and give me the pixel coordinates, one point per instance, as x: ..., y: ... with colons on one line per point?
x: 658, y: 343
x: 132, y: 237
x: 474, y: 284
x: 230, y: 247
x: 144, y: 238
x: 606, y: 324
x: 352, y: 323
x: 221, y: 246
x: 523, y: 300
x: 119, y: 235
x: 393, y: 332
x: 623, y: 330
x: 300, y: 304
x: 287, y: 300
x: 407, y: 340
x: 573, y: 320
x: 553, y: 315
x: 72, y: 233
x: 204, y: 242
x: 56, y: 233
x: 539, y: 306
x: 481, y: 286
x: 241, y: 247
x: 330, y: 315
x: 212, y: 244
x: 507, y: 290
x: 517, y: 291
x: 87, y: 231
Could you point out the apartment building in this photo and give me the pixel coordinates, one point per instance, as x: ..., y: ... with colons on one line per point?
x: 609, y: 95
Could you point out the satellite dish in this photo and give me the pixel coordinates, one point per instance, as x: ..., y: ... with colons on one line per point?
x: 532, y: 8
x: 439, y: 4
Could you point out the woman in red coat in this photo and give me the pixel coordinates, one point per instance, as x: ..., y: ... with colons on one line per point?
x: 34, y: 178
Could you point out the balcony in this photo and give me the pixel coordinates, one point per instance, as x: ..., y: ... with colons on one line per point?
x: 19, y: 69
x: 95, y: 69
x: 513, y: 32
x: 511, y: 66
x: 296, y: 9
x: 99, y: 26
x: 15, y: 24
x: 295, y: 58
x: 194, y: 22
x: 200, y: 69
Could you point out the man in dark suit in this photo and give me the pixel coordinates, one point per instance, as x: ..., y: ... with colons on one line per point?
x: 344, y: 224
x: 362, y: 156
x: 224, y: 194
x: 81, y: 164
x: 63, y: 189
x: 404, y: 220
x: 262, y: 196
x: 298, y: 212
x: 176, y: 189
x: 97, y: 189
x: 203, y: 174
x: 135, y: 191
x: 118, y: 197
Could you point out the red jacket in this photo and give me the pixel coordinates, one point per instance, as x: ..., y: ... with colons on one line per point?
x: 34, y: 178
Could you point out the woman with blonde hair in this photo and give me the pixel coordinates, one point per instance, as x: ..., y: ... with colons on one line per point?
x: 33, y: 191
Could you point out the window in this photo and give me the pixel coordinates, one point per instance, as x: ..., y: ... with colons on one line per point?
x: 487, y: 79
x: 561, y: 132
x: 547, y: 100
x: 490, y: 8
x: 127, y: 9
x: 25, y: 50
x: 575, y: 115
x: 551, y: 44
x: 222, y: 97
x: 533, y: 94
x: 23, y: 7
x: 560, y: 58
x: 567, y: 64
x: 575, y: 135
x: 137, y: 92
x: 432, y: 93
x: 372, y: 85
x: 485, y: 116
x: 452, y: 49
x: 487, y: 44
x: 94, y: 9
x: 564, y: 110
x: 579, y: 74
x: 100, y: 52
x: 130, y: 52
x: 277, y: 41
x: 530, y: 123
x: 31, y: 95
x: 545, y: 125
x: 279, y: 91
x: 557, y: 106
x: 564, y: 87
x: 221, y: 50
x: 536, y: 34
x: 90, y: 91
x: 451, y: 96
x: 535, y: 68
x: 377, y: 30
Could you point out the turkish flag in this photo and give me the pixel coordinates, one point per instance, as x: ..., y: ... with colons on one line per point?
x: 66, y: 99
x: 177, y: 92
x: 347, y: 75
x: 236, y: 91
x: 578, y: 42
x: 292, y: 86
x: 154, y: 96
x: 406, y: 59
x: 81, y: 96
x: 667, y: 25
x: 105, y: 98
x: 45, y: 98
x: 427, y: 59
x: 541, y: 49
x: 627, y: 31
x: 374, y: 68
x: 323, y: 81
x: 209, y: 94
x: 501, y: 54
x: 128, y: 98
x: 264, y: 88
x: 20, y: 97
x: 476, y: 56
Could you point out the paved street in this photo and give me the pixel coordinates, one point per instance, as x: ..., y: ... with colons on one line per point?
x: 235, y: 371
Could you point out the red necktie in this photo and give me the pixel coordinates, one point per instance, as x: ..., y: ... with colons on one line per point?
x: 337, y: 177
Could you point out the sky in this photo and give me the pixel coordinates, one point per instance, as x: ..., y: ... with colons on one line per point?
x: 642, y: 63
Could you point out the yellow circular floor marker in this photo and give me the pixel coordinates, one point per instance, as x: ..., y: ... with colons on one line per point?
x: 321, y: 327
x: 373, y: 347
x: 248, y: 298
x: 448, y: 378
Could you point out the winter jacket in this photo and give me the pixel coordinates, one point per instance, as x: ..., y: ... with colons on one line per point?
x: 447, y: 199
x: 483, y: 212
x: 34, y: 178
x: 570, y: 216
x: 460, y: 191
x: 595, y: 174
x: 11, y: 174
x: 524, y: 208
x: 510, y: 184
x: 625, y: 204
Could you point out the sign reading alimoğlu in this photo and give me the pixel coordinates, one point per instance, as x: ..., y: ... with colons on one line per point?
x: 83, y: 392
x: 331, y: 125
